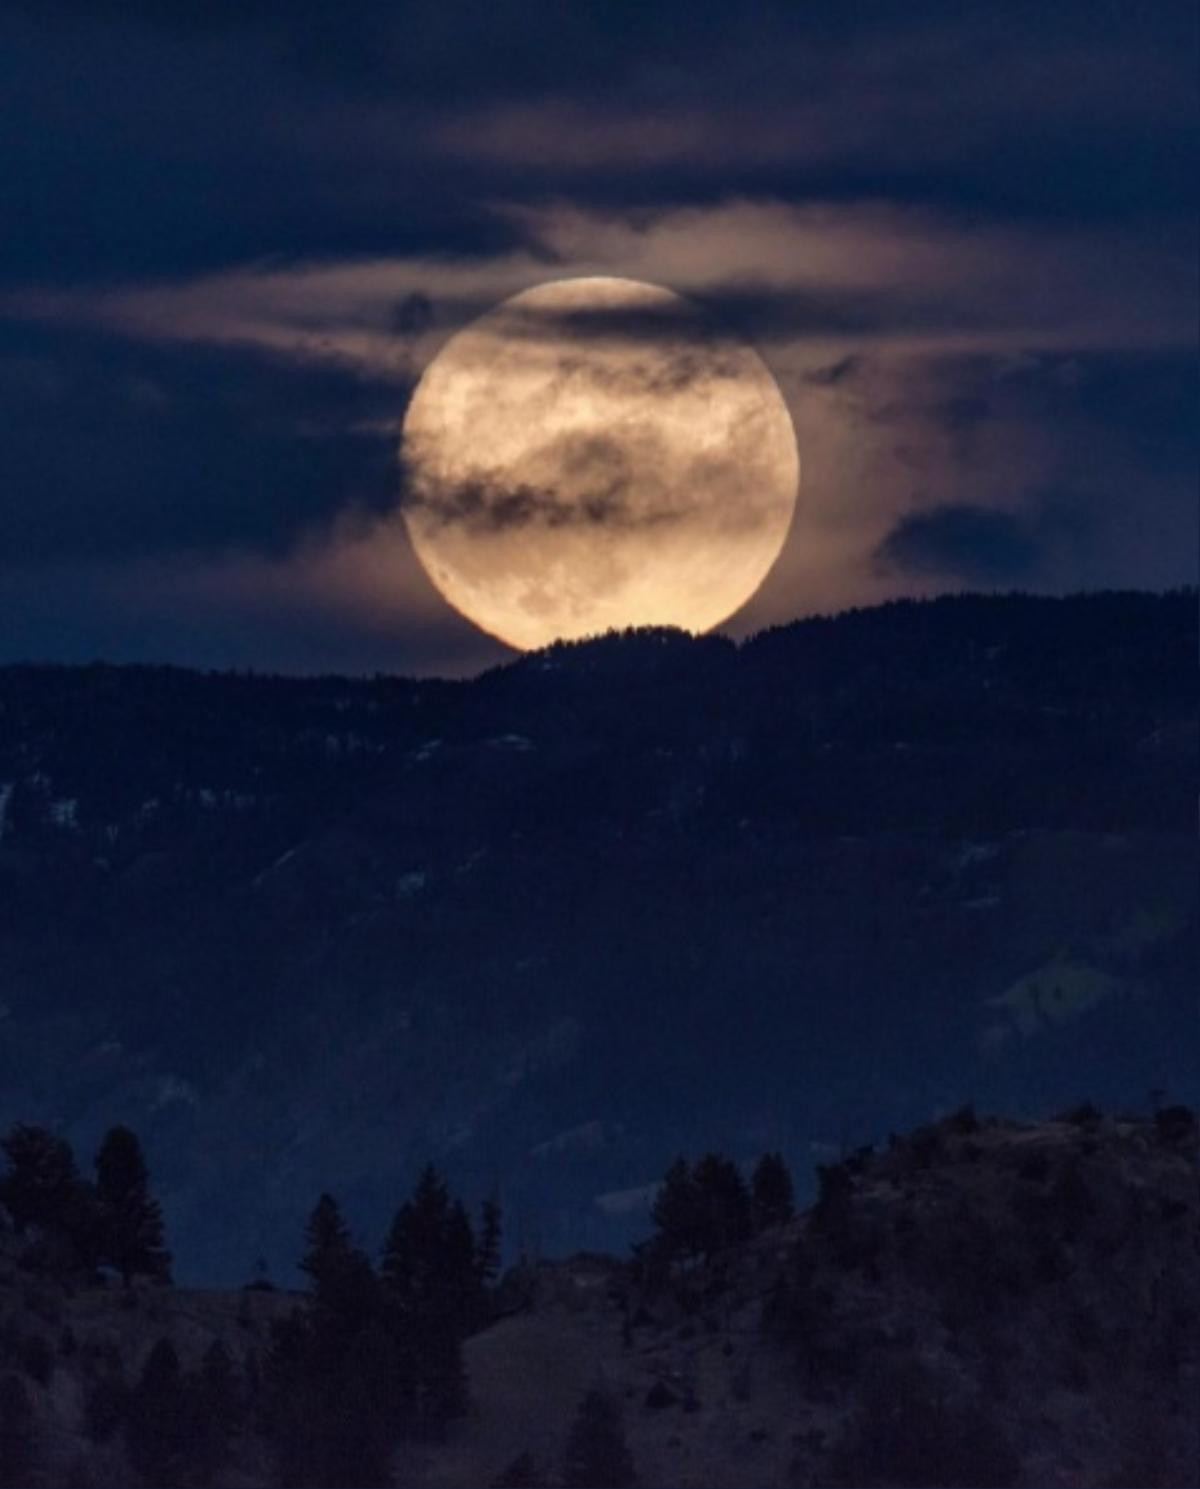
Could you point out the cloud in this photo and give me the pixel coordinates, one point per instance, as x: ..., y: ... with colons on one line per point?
x: 963, y: 542
x: 851, y: 276
x: 834, y: 373
x: 967, y: 104
x: 200, y: 134
x: 595, y: 492
x: 358, y: 603
x: 959, y: 233
x: 922, y: 357
x: 118, y: 449
x: 486, y: 509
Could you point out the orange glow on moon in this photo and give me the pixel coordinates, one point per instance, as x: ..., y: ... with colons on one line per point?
x: 594, y: 454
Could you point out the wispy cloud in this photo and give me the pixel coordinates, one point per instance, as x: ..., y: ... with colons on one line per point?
x: 937, y: 370
x: 865, y: 275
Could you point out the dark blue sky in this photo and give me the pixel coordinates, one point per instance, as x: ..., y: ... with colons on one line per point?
x: 964, y: 237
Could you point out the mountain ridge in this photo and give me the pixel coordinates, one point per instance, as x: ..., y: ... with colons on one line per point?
x: 830, y: 881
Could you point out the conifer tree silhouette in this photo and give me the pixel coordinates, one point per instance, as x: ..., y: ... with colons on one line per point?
x: 132, y: 1237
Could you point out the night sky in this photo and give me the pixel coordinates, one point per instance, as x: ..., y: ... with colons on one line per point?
x: 963, y: 236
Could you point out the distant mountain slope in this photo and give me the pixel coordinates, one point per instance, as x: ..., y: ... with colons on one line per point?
x: 641, y: 889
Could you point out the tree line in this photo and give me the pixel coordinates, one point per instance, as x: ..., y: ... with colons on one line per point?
x: 68, y: 1223
x: 375, y: 1354
x: 370, y: 1356
x: 705, y: 1208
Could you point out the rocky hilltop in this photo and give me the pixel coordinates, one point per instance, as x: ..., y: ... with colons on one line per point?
x: 979, y: 1302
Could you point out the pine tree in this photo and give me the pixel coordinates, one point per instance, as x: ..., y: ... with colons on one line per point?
x: 46, y: 1198
x: 366, y: 1412
x: 216, y: 1410
x: 431, y: 1279
x: 156, y: 1421
x: 413, y: 1254
x: 771, y: 1195
x: 676, y: 1212
x: 327, y: 1241
x: 299, y: 1389
x: 430, y: 1257
x: 597, y: 1455
x: 330, y: 1403
x: 460, y: 1282
x: 490, y: 1234
x: 42, y: 1181
x: 333, y: 1390
x: 358, y: 1413
x: 344, y: 1286
x: 723, y: 1202
x: 131, y: 1224
x: 287, y: 1416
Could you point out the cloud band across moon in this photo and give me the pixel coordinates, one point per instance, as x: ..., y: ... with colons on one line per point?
x: 1004, y: 362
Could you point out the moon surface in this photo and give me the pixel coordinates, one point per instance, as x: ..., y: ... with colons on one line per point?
x: 593, y: 454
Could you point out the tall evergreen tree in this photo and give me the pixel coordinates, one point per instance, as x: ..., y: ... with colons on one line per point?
x: 216, y: 1411
x: 364, y: 1412
x: 771, y: 1195
x: 332, y: 1388
x: 431, y: 1278
x: 41, y: 1183
x: 288, y: 1401
x: 490, y: 1236
x: 723, y: 1202
x: 676, y: 1212
x: 132, y: 1237
x: 460, y: 1280
x: 326, y: 1241
x: 330, y: 1403
x: 156, y: 1419
x: 415, y: 1263
x: 597, y: 1455
x: 344, y: 1286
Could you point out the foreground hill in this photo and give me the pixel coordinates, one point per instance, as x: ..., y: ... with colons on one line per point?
x: 1001, y: 1303
x: 613, y: 901
x: 980, y: 1303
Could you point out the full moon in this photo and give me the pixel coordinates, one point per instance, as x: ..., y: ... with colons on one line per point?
x: 594, y: 454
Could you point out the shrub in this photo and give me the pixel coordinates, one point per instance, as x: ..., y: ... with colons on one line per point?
x: 1175, y: 1124
x: 521, y: 1473
x: 597, y: 1455
x: 37, y: 1359
x: 18, y: 1447
x: 1071, y: 1201
x: 104, y: 1407
x: 660, y: 1394
x: 926, y: 1144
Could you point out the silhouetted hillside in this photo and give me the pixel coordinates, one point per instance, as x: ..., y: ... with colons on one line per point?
x: 980, y: 1302
x: 598, y: 906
